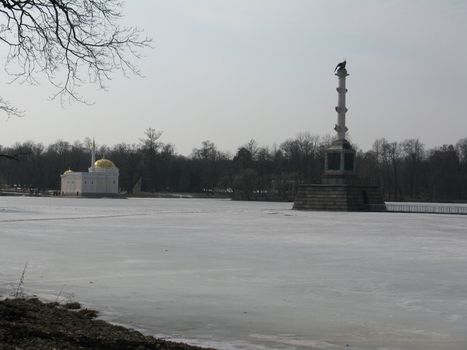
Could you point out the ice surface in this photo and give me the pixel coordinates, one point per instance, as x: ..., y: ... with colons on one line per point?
x: 245, y: 275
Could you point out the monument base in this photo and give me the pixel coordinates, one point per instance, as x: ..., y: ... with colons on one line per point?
x: 339, y: 197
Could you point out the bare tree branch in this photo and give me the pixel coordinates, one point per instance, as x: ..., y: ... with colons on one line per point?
x: 10, y: 110
x: 69, y: 41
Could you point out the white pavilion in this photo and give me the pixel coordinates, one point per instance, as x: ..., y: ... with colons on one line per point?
x: 100, y: 180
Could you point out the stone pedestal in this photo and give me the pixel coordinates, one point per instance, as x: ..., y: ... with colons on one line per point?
x: 339, y: 163
x: 339, y: 197
x: 340, y: 190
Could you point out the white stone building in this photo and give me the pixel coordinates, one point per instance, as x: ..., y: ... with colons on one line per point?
x: 100, y: 180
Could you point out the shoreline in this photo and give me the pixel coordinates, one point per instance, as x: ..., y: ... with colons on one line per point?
x: 29, y: 323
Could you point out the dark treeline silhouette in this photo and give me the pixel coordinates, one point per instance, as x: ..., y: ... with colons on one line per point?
x: 406, y: 171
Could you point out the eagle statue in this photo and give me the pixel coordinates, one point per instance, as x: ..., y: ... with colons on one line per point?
x: 340, y: 66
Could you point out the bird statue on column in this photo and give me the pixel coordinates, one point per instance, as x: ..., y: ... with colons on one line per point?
x: 340, y: 66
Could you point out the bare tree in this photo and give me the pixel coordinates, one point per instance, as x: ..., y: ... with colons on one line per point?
x: 150, y: 143
x: 69, y: 41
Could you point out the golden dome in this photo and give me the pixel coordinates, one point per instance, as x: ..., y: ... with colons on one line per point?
x: 69, y: 171
x: 104, y: 164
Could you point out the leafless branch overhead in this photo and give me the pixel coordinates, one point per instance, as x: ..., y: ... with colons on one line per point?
x: 70, y: 41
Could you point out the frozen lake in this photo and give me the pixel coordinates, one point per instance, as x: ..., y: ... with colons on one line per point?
x: 243, y: 275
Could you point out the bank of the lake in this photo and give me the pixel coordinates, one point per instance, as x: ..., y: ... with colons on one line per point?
x: 36, y: 325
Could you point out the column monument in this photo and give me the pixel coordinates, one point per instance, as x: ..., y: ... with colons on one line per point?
x: 340, y: 188
x: 341, y: 109
x: 339, y: 161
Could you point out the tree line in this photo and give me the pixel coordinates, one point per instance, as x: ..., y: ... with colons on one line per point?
x: 405, y: 171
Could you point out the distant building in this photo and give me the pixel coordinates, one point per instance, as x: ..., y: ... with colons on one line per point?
x: 100, y: 180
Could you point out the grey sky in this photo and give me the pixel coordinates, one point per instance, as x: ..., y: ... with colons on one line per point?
x: 232, y: 70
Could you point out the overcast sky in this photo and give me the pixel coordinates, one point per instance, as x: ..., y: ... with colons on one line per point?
x: 232, y: 70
